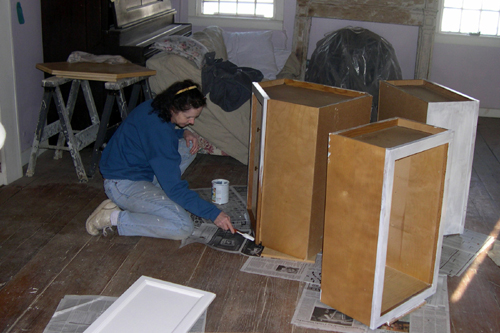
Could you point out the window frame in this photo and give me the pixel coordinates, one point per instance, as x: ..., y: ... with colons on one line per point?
x: 196, y: 18
x: 447, y: 37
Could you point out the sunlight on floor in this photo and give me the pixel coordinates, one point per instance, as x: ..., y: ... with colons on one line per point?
x: 471, y: 271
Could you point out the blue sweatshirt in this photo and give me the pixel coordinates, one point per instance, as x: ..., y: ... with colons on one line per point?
x: 144, y: 146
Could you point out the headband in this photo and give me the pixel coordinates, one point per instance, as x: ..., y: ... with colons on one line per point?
x: 185, y: 89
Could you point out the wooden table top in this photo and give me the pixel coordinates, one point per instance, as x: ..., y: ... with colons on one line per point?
x: 95, y: 71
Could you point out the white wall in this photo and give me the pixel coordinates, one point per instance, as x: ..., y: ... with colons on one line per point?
x: 10, y: 157
x: 28, y: 51
x: 471, y: 69
x: 20, y: 83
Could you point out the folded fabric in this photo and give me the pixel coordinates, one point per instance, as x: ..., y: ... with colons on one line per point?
x: 79, y: 56
x: 213, y: 39
x: 229, y: 86
x: 186, y: 47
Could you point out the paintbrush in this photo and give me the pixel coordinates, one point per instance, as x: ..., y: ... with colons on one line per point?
x: 247, y: 236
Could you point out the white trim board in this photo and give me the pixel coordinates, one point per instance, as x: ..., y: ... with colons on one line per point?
x: 152, y: 305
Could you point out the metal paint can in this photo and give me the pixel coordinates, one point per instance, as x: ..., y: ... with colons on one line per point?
x: 220, y: 191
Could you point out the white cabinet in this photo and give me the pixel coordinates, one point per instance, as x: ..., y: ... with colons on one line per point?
x: 436, y: 105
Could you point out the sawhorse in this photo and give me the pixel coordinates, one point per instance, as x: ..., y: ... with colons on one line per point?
x: 77, y: 140
x: 115, y: 76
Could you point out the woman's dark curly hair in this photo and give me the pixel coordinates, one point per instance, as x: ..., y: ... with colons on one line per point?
x: 180, y: 96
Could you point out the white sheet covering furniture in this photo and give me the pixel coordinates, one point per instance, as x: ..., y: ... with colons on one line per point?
x: 226, y: 132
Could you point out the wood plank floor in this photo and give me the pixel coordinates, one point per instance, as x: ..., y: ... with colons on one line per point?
x: 45, y: 252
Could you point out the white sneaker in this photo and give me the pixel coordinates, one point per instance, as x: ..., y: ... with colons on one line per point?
x: 101, y: 217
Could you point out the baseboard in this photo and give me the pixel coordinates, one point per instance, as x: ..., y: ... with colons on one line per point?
x: 491, y: 113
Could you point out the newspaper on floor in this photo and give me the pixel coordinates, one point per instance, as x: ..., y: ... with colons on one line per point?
x: 459, y: 251
x: 207, y: 233
x: 311, y: 313
x: 285, y: 269
x: 75, y: 313
x: 218, y: 239
x: 236, y: 207
x: 433, y: 317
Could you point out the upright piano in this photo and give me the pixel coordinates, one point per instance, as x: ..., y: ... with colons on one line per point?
x: 136, y: 24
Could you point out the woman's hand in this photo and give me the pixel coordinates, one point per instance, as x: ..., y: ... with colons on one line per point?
x: 223, y: 221
x: 191, y: 139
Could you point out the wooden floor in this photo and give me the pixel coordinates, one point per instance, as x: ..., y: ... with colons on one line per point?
x: 45, y: 252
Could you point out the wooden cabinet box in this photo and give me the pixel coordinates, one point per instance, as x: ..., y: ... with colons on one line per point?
x: 290, y: 123
x: 436, y: 105
x: 383, y: 235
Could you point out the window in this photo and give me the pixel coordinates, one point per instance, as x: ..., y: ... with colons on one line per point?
x: 247, y: 8
x: 245, y: 14
x: 471, y: 17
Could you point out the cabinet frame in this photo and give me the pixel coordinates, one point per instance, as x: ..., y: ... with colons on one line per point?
x: 290, y: 123
x: 383, y: 218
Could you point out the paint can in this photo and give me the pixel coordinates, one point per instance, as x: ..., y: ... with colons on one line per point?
x: 220, y: 191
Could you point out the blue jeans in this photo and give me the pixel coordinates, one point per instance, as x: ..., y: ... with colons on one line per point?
x: 147, y: 211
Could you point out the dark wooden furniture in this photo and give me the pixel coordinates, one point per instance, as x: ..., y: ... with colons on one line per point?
x: 69, y: 26
x: 119, y: 27
x: 95, y: 26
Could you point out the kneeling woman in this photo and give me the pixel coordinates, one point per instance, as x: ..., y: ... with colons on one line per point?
x: 142, y: 166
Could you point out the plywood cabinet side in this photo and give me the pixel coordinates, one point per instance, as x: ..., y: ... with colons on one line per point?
x: 288, y: 173
x: 352, y: 217
x: 397, y: 103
